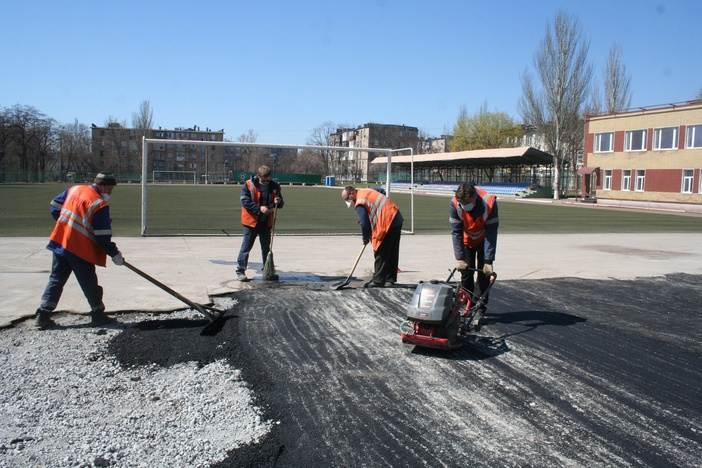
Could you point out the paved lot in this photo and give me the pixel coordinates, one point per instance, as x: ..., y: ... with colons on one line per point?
x: 569, y: 370
x: 201, y: 267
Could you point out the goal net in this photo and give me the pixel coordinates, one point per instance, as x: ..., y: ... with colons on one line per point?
x: 174, y: 177
x: 207, y: 202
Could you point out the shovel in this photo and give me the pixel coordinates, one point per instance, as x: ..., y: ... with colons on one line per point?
x: 215, y: 316
x: 348, y: 279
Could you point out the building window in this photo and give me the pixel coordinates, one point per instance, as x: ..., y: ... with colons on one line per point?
x: 604, y: 142
x: 640, y: 179
x: 626, y: 180
x: 635, y: 140
x: 688, y: 177
x: 665, y: 138
x: 693, y: 138
x: 607, y: 183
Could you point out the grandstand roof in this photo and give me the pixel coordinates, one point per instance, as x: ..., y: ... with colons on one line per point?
x: 523, y: 155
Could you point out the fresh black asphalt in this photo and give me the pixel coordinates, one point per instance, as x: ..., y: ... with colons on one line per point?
x: 566, y: 372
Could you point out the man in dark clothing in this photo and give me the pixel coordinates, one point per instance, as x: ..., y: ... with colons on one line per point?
x: 260, y: 198
x: 381, y: 224
x: 474, y: 222
x: 81, y: 239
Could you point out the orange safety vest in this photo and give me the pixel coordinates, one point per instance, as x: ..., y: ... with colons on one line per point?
x: 250, y: 219
x: 474, y: 228
x: 74, y: 227
x: 381, y: 211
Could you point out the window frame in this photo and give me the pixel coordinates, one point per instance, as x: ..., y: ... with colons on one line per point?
x: 690, y: 179
x: 597, y: 143
x: 626, y: 180
x: 693, y: 132
x: 607, y: 180
x: 640, y: 181
x: 629, y: 139
x: 658, y: 134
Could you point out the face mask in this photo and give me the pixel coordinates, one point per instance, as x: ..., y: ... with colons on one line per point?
x: 264, y: 182
x: 105, y: 196
x: 349, y: 203
x: 467, y: 207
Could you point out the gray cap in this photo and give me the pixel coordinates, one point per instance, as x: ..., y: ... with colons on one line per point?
x: 105, y: 179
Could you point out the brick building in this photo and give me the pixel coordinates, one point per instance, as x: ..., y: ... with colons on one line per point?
x: 644, y: 155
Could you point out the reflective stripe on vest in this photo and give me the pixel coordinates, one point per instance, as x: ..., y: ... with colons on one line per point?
x: 381, y: 212
x: 74, y: 230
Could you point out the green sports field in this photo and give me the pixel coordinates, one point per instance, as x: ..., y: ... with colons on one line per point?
x: 214, y: 210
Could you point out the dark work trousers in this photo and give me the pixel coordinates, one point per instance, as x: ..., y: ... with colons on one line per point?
x: 263, y: 231
x: 475, y: 259
x: 61, y: 268
x: 387, y: 257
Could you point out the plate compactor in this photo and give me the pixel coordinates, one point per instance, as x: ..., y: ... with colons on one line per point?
x: 441, y: 313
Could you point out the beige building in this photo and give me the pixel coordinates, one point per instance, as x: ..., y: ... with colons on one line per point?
x: 648, y: 154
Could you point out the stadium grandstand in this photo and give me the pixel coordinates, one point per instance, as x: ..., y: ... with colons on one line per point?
x: 522, y: 172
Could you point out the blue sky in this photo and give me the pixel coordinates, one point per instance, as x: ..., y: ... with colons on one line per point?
x: 282, y: 68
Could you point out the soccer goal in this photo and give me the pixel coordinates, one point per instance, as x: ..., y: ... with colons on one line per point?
x: 174, y: 177
x: 173, y: 207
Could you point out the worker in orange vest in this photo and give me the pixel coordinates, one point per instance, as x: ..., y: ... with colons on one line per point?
x: 474, y: 222
x: 260, y: 197
x: 81, y: 239
x: 381, y: 225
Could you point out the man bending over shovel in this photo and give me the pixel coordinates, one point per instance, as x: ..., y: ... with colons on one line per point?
x: 381, y: 224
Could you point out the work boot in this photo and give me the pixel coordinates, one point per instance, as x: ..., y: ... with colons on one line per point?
x: 44, y: 321
x: 273, y: 277
x: 373, y: 284
x: 241, y: 277
x: 98, y: 320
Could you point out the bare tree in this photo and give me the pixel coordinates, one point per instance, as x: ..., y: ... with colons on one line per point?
x: 142, y: 123
x: 321, y: 136
x: 308, y: 162
x: 5, y: 136
x: 74, y: 153
x: 617, y: 84
x: 595, y: 105
x: 699, y: 95
x: 250, y: 157
x: 564, y: 75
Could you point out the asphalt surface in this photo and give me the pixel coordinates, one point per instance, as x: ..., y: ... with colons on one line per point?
x: 567, y: 372
x: 591, y: 355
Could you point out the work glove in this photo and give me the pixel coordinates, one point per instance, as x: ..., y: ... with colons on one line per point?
x: 487, y: 269
x: 366, y: 241
x: 461, y: 265
x: 118, y: 259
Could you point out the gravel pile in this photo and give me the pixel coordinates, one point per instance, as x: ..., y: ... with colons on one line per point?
x: 65, y: 401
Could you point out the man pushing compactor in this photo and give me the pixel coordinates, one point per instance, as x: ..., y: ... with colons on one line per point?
x: 474, y: 222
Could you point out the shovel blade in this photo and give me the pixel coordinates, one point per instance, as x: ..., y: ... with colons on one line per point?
x: 340, y: 285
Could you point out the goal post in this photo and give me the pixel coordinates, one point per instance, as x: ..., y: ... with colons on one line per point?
x: 162, y: 141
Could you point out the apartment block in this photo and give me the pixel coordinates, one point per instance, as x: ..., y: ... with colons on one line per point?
x: 355, y: 165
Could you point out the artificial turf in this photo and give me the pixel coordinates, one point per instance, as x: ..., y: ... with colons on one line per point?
x: 215, y: 210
